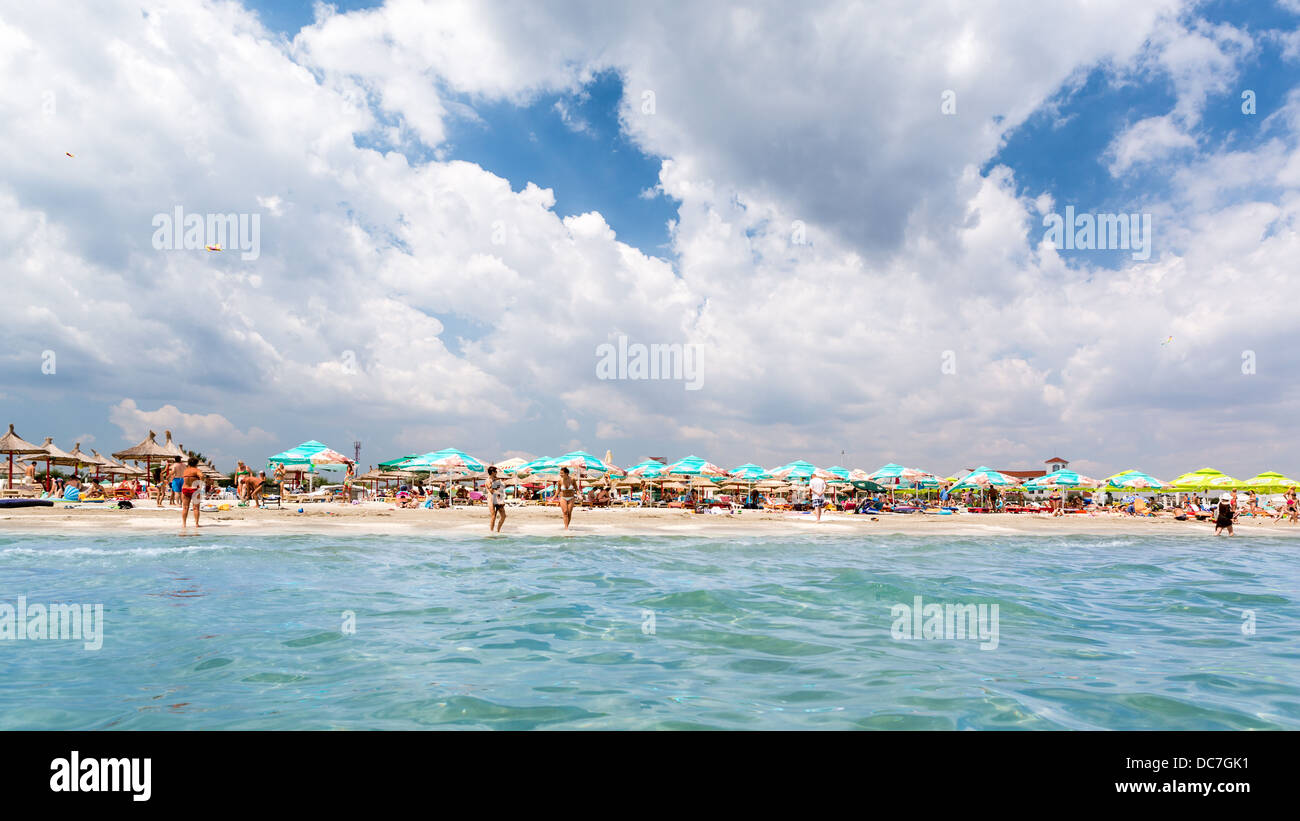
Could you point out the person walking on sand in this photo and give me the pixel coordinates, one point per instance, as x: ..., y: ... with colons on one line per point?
x: 1292, y: 508
x: 1224, y: 515
x: 568, y: 493
x: 817, y: 491
x: 191, y: 487
x: 279, y: 480
x: 496, y: 501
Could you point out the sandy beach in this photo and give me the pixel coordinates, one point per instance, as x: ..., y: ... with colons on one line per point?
x: 382, y: 519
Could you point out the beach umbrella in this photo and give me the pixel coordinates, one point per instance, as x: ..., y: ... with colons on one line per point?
x: 534, y: 465
x: 396, y: 464
x: 171, y: 448
x: 448, y: 461
x: 508, y: 466
x: 1060, y: 478
x: 748, y: 472
x: 1132, y: 480
x: 984, y: 477
x: 896, y: 474
x: 11, y: 444
x: 586, y: 465
x: 580, y: 464
x: 148, y: 451
x: 1203, y: 479
x: 799, y: 471
x: 649, y: 469
x: 54, y: 455
x: 694, y: 466
x: 1269, y: 482
x: 868, y: 485
x: 112, y: 468
x: 88, y: 459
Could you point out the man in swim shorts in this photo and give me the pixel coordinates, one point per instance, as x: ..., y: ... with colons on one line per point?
x: 568, y: 494
x: 191, y: 492
x: 174, y: 473
x: 817, y: 488
x: 496, y: 500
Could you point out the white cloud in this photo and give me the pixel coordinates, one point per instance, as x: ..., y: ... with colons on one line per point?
x: 416, y: 304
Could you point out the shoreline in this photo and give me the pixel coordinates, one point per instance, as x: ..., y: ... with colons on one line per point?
x: 382, y: 519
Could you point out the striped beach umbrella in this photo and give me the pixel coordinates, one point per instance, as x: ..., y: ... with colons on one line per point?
x: 1060, y: 478
x: 446, y: 461
x: 799, y: 471
x: 1133, y: 480
x: 695, y: 466
x: 984, y: 477
x: 749, y: 472
x: 649, y: 469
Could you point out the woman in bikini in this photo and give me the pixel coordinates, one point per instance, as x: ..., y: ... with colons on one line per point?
x: 191, y: 497
x: 568, y: 492
x: 496, y: 501
x: 1292, y: 508
x: 242, y: 475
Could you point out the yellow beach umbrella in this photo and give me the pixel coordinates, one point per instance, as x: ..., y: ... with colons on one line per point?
x: 1269, y: 482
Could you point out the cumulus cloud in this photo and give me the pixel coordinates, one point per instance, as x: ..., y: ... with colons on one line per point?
x: 837, y: 237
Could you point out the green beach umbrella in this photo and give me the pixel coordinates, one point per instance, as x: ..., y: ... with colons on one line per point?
x: 1269, y: 482
x: 868, y: 485
x: 1203, y: 479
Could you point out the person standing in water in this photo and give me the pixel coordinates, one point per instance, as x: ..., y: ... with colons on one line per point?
x: 191, y: 485
x: 817, y: 489
x: 1223, y: 516
x: 568, y: 493
x: 496, y: 500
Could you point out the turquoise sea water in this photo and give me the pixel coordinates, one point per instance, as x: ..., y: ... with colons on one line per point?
x: 234, y: 631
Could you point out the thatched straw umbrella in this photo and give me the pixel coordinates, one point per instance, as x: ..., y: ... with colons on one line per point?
x: 88, y: 459
x: 147, y: 451
x: 54, y: 455
x: 13, y: 444
x: 112, y: 468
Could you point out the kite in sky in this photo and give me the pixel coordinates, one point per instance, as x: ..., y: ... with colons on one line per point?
x: 213, y: 247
